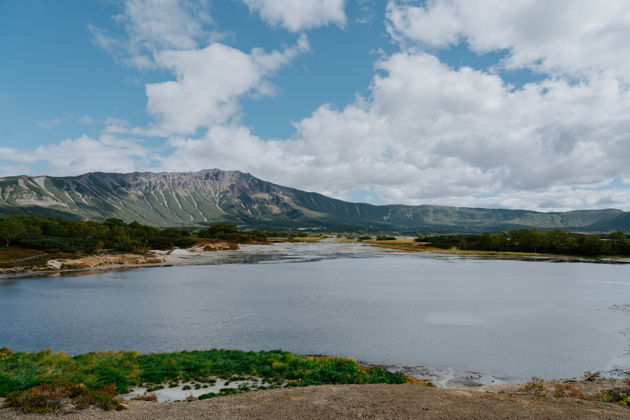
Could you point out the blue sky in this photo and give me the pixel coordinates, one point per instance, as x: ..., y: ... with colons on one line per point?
x: 58, y: 72
x: 384, y: 101
x: 58, y: 75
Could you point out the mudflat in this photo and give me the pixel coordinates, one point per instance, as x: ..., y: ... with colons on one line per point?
x: 359, y: 401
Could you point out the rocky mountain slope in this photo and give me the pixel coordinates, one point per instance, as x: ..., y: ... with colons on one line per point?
x: 201, y: 198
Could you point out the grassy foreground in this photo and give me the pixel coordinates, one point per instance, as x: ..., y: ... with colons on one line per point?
x: 42, y: 381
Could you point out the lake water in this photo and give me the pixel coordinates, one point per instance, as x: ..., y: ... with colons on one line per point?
x: 443, y: 316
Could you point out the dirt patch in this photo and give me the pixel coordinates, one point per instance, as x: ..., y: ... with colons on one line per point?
x: 586, y: 387
x: 109, y: 260
x: 362, y: 401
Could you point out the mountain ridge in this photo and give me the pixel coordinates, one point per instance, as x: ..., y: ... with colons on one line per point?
x: 195, y: 199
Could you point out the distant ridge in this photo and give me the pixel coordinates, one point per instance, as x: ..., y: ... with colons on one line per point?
x: 194, y: 199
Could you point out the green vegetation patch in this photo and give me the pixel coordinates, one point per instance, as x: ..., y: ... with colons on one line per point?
x: 534, y: 241
x: 61, y: 236
x: 229, y: 232
x: 23, y: 374
x: 621, y: 398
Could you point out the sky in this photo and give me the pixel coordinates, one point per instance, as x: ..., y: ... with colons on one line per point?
x: 520, y: 104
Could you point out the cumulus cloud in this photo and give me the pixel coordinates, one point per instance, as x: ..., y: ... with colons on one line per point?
x: 83, y: 154
x: 572, y: 37
x: 430, y: 133
x: 299, y: 15
x: 210, y: 77
x: 209, y: 83
x: 155, y: 25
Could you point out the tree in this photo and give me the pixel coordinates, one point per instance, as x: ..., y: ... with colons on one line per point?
x: 11, y: 229
x: 619, y: 244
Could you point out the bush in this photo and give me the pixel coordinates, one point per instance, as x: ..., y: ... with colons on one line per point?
x: 52, y: 398
x: 568, y: 390
x: 146, y: 397
x: 104, y: 398
x: 535, y: 387
x: 46, y: 398
x: 621, y: 398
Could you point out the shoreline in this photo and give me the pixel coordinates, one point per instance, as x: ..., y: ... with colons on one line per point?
x: 186, y: 256
x: 414, y: 247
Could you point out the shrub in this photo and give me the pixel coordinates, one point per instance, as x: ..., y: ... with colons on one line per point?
x: 46, y: 398
x: 145, y: 397
x: 104, y: 398
x: 568, y: 390
x: 51, y: 398
x: 534, y: 387
x: 621, y: 398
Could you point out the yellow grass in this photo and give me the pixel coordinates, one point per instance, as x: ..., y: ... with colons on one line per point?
x: 409, y: 245
x: 304, y: 239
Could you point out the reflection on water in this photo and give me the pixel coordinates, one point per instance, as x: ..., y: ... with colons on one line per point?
x: 446, y: 316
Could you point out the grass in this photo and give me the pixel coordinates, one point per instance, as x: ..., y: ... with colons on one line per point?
x: 275, y: 239
x: 23, y: 374
x: 410, y: 245
x: 8, y: 257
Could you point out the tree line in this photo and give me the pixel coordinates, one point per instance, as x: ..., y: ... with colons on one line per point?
x: 113, y: 235
x: 533, y: 240
x: 55, y: 235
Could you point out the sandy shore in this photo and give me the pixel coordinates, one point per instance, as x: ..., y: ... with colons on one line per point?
x: 360, y: 401
x: 104, y: 262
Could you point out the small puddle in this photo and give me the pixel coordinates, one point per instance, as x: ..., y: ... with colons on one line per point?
x: 195, y: 389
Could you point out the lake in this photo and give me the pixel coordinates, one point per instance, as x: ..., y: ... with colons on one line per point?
x: 451, y: 318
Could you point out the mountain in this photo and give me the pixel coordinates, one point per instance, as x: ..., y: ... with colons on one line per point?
x: 195, y: 199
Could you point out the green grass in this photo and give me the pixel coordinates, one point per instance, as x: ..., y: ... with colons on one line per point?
x: 621, y: 398
x: 21, y: 371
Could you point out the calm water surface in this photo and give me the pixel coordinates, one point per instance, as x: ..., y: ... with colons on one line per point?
x: 511, y: 319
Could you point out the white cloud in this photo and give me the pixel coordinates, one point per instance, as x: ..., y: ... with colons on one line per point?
x: 53, y: 122
x: 210, y: 77
x: 209, y: 83
x: 155, y: 25
x: 299, y: 15
x: 87, y: 120
x: 431, y: 134
x: 574, y: 37
x: 83, y: 154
